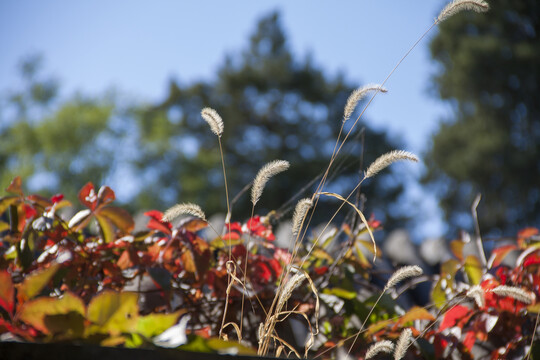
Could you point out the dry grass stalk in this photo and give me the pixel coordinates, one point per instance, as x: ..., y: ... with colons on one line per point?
x: 457, y: 6
x: 183, y: 209
x: 384, y: 346
x: 515, y: 293
x: 213, y: 119
x: 300, y: 211
x: 384, y: 160
x: 477, y: 294
x: 266, y: 172
x: 358, y: 95
x: 403, y: 344
x: 402, y: 274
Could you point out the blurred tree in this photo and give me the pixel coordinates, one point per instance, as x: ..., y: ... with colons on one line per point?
x: 274, y: 107
x: 489, y: 70
x: 55, y: 145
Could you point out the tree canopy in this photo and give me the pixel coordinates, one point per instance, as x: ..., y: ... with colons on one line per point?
x: 489, y: 71
x: 274, y: 106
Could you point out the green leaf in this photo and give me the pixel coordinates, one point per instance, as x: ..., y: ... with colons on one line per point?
x: 154, y: 324
x: 107, y: 229
x: 35, y: 282
x: 113, y: 313
x: 53, y: 315
x: 473, y: 269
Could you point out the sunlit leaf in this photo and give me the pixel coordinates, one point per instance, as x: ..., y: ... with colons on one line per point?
x: 450, y: 267
x: 340, y: 293
x: 193, y: 224
x: 457, y: 315
x: 113, y: 312
x: 7, y: 292
x: 35, y: 282
x: 107, y: 229
x: 154, y: 324
x: 320, y: 254
x: 53, y: 315
x: 118, y: 216
x: 473, y: 269
x: 456, y: 246
x: 437, y: 294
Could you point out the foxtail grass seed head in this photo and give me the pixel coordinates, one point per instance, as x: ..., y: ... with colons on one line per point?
x: 358, y: 95
x: 288, y: 288
x: 266, y: 172
x: 477, y: 294
x: 515, y: 293
x: 214, y: 120
x: 299, y: 213
x: 457, y: 6
x: 403, y: 344
x: 384, y: 160
x: 384, y: 346
x: 402, y: 274
x: 184, y: 209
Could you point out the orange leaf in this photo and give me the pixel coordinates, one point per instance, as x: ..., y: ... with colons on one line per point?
x: 7, y: 292
x: 498, y: 255
x: 416, y: 313
x: 15, y: 187
x: 457, y: 248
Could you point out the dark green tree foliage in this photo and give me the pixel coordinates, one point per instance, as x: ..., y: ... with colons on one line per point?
x: 489, y: 70
x: 273, y: 107
x: 56, y: 142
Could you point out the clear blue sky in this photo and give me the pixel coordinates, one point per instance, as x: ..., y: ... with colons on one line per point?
x: 136, y: 46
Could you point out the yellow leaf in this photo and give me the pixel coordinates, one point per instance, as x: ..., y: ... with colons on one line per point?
x: 35, y: 282
x: 473, y: 269
x: 113, y: 313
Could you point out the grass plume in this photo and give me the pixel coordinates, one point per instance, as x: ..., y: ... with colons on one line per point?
x: 515, y: 293
x: 358, y: 95
x: 184, y: 209
x: 385, y: 160
x: 403, y: 344
x: 213, y: 119
x: 302, y: 207
x: 402, y: 274
x: 384, y: 346
x: 264, y: 174
x: 457, y: 6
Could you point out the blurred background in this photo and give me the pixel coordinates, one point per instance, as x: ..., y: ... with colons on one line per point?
x: 111, y: 92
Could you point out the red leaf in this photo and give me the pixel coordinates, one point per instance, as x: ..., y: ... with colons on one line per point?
x: 156, y: 222
x: 57, y: 198
x: 105, y: 196
x: 88, y: 196
x: 456, y: 316
x: 29, y: 211
x: 469, y: 340
x: 533, y: 259
x: 320, y: 270
x: 261, y: 272
x: 16, y: 186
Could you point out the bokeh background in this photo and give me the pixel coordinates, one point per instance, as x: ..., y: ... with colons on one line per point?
x: 111, y: 92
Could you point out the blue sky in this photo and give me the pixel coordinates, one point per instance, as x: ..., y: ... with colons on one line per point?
x: 136, y: 46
